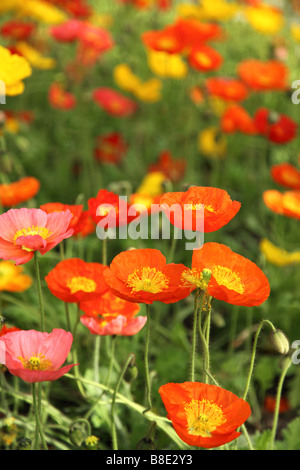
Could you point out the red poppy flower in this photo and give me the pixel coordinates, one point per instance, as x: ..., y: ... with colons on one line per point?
x: 204, y: 415
x: 93, y: 42
x: 35, y: 356
x: 287, y: 175
x: 234, y: 279
x: 107, y: 207
x: 182, y: 208
x: 228, y: 89
x: 263, y: 76
x: 60, y: 98
x: 110, y: 315
x: 74, y: 280
x: 75, y: 209
x: 270, y: 404
x: 67, y: 31
x: 174, y: 169
x: 277, y: 128
x: 165, y: 40
x: 287, y: 203
x: 114, y: 102
x: 85, y: 225
x: 12, y: 194
x: 237, y: 119
x: 204, y: 58
x: 17, y: 30
x: 110, y: 148
x: 4, y: 330
x: 142, y: 276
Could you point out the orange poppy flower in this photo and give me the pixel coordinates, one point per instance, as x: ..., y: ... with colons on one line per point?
x: 287, y: 175
x: 114, y: 103
x: 85, y: 225
x: 13, y: 278
x: 165, y: 40
x: 237, y: 119
x: 173, y: 169
x: 204, y: 58
x: 76, y: 211
x: 277, y: 128
x: 60, y: 98
x: 182, y: 208
x: 143, y: 276
x: 110, y: 148
x: 287, y: 203
x: 228, y: 89
x: 234, y: 279
x: 204, y: 415
x: 12, y: 194
x: 73, y: 280
x: 263, y: 76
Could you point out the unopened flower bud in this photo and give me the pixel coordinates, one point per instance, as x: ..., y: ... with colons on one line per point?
x: 76, y: 436
x: 280, y: 342
x: 131, y: 372
x: 145, y: 444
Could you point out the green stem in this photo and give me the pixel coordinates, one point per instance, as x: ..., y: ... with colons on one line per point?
x: 37, y: 417
x: 39, y: 287
x: 113, y: 403
x: 262, y: 323
x: 194, y: 338
x: 111, y: 360
x: 148, y: 383
x: 97, y: 357
x: 277, y: 405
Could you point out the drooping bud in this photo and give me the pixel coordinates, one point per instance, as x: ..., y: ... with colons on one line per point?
x: 131, y: 372
x: 280, y: 342
x: 147, y: 443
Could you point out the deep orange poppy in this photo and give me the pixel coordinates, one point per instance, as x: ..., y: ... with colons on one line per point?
x: 234, y: 279
x: 182, y: 208
x: 263, y: 76
x: 12, y: 194
x: 228, y: 89
x: 74, y: 280
x: 204, y: 58
x: 204, y: 415
x: 287, y: 203
x: 237, y: 119
x: 75, y: 209
x: 286, y: 175
x: 61, y: 99
x: 143, y: 276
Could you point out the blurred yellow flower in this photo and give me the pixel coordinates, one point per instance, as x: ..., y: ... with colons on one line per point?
x: 149, y: 91
x: 125, y: 78
x: 103, y: 21
x: 167, y: 65
x: 12, y: 278
x: 34, y: 57
x: 265, y: 18
x: 152, y: 184
x: 42, y: 11
x: 218, y: 10
x: 8, y: 5
x: 13, y: 70
x: 212, y: 143
x: 278, y: 256
x: 295, y: 31
x: 187, y: 10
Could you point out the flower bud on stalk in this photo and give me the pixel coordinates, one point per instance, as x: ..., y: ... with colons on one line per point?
x: 280, y: 342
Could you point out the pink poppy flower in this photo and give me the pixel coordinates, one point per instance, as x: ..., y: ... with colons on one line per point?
x: 24, y: 231
x: 119, y: 325
x: 35, y: 356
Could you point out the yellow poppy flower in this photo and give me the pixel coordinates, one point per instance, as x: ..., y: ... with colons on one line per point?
x: 152, y: 184
x: 278, y: 256
x: 218, y: 10
x: 13, y: 278
x: 34, y: 57
x: 212, y: 143
x: 125, y: 78
x: 167, y: 65
x: 149, y: 91
x: 295, y: 31
x: 265, y: 19
x: 42, y: 11
x: 13, y: 70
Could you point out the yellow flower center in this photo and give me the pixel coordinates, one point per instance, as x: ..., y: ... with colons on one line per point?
x: 203, y: 417
x: 228, y: 278
x: 34, y: 230
x: 81, y: 283
x: 203, y: 59
x: 167, y: 43
x: 36, y: 362
x: 195, y: 278
x: 147, y: 279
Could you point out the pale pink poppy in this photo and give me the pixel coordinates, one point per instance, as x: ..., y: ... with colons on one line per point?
x: 35, y: 356
x: 119, y: 325
x: 24, y: 231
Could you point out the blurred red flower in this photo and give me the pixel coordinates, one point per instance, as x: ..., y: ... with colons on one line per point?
x: 60, y: 98
x: 4, y: 330
x: 228, y: 89
x: 286, y: 204
x: 276, y: 127
x: 286, y: 175
x: 12, y: 194
x: 67, y: 31
x: 109, y: 208
x: 204, y: 58
x: 204, y: 415
x: 143, y: 276
x: 17, y: 30
x: 110, y: 148
x: 173, y: 169
x: 74, y: 280
x: 114, y: 102
x: 236, y: 119
x: 263, y: 76
x: 182, y: 208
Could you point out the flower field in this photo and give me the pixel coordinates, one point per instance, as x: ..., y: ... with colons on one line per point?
x: 149, y: 225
